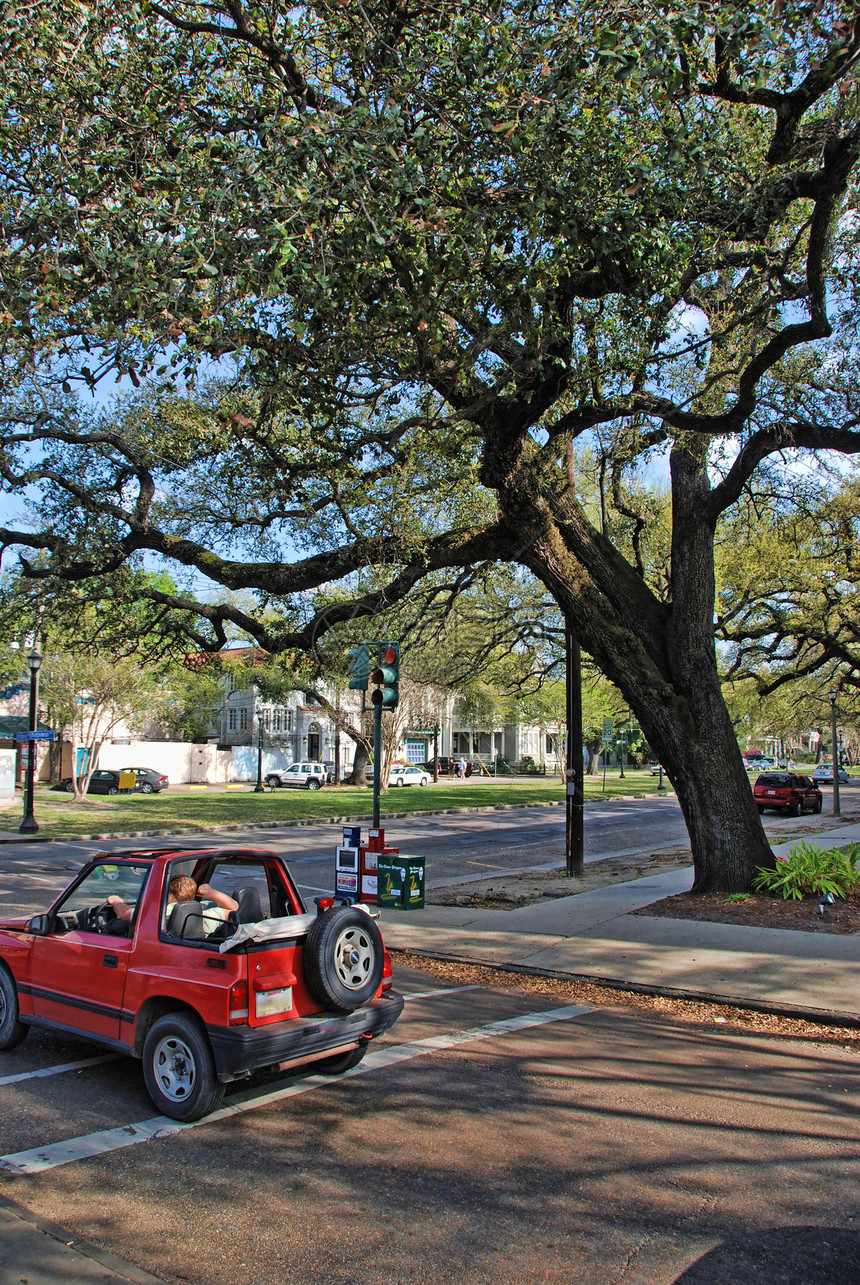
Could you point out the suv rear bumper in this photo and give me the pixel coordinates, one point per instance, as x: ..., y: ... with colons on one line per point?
x: 245, y: 1048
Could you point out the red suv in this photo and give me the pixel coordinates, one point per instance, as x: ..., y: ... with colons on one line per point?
x: 135, y: 955
x: 787, y: 792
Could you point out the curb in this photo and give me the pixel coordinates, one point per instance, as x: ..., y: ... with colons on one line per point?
x: 121, y: 1269
x: 816, y: 1016
x: 302, y: 823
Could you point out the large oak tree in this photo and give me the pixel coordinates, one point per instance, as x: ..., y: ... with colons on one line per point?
x: 442, y: 248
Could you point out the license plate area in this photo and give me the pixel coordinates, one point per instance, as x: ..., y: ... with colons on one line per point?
x: 271, y: 1003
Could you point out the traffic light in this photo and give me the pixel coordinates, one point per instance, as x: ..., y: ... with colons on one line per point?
x: 387, y: 676
x: 359, y: 668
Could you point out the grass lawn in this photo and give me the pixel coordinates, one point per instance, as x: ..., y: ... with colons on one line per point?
x: 58, y: 815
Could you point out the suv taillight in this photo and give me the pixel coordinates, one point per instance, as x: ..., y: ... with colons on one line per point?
x: 238, y: 1005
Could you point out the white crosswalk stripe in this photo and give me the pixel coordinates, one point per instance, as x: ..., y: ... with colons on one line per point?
x: 40, y: 1159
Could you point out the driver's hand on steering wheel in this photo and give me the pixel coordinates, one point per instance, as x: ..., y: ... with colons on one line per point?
x: 119, y: 908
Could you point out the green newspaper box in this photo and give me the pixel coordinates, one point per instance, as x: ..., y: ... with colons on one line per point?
x: 390, y: 874
x: 400, y: 882
x: 413, y: 888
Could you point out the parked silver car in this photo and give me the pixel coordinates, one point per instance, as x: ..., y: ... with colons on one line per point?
x: 300, y: 776
x: 824, y: 772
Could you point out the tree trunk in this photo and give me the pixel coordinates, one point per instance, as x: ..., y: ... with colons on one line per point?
x: 359, y: 762
x: 696, y: 744
x: 661, y: 657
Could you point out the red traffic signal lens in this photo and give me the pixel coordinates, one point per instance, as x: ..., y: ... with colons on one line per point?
x: 389, y: 656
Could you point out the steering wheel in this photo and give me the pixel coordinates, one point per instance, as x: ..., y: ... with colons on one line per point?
x: 98, y: 917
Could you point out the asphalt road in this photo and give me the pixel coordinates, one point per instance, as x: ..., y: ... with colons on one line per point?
x: 607, y: 1147
x: 456, y: 846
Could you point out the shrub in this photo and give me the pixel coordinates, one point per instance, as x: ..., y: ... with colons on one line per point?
x: 809, y: 870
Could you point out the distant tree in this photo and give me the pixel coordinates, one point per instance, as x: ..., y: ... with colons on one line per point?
x: 85, y: 696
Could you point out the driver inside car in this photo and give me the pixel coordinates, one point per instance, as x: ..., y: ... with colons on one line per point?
x: 183, y: 888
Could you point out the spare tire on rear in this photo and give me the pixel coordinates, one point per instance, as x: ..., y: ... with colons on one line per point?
x: 344, y: 957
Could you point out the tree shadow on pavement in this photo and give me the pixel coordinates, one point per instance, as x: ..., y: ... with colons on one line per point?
x: 780, y: 1256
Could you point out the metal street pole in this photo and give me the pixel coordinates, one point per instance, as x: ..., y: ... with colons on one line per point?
x: 28, y: 825
x: 837, y: 809
x: 575, y: 773
x: 258, y: 788
x: 377, y: 766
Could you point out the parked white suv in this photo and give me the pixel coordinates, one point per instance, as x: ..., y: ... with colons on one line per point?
x: 301, y: 776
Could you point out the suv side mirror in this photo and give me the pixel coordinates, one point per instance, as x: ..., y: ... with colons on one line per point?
x: 39, y: 926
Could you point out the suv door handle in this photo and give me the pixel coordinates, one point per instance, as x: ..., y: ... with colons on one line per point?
x: 111, y: 961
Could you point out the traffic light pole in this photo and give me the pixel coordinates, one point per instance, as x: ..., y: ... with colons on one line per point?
x: 377, y: 762
x: 386, y: 678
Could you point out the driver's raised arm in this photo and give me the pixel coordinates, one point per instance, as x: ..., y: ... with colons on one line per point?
x: 119, y: 908
x: 208, y: 893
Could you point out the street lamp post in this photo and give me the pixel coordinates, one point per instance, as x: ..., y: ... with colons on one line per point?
x: 837, y: 810
x: 28, y: 825
x: 258, y: 788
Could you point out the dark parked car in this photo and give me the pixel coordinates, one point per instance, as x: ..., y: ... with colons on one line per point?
x: 148, y: 780
x: 448, y: 766
x: 106, y: 781
x: 787, y: 792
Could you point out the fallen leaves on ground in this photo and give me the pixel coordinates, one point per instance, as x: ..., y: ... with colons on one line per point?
x: 694, y: 1012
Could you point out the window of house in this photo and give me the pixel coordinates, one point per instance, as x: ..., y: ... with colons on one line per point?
x: 231, y: 720
x: 243, y: 719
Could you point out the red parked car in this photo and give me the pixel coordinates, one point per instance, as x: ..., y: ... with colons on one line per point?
x: 201, y: 995
x: 787, y: 792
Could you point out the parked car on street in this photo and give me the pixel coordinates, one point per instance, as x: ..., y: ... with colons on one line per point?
x: 755, y: 762
x: 409, y: 776
x: 148, y: 780
x: 200, y: 1001
x: 446, y: 765
x: 299, y: 776
x: 824, y: 772
x: 787, y: 792
x: 403, y: 774
x: 106, y: 781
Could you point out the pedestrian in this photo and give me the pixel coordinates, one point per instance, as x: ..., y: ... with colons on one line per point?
x: 461, y: 769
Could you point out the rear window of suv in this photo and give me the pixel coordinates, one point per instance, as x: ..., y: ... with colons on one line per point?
x: 775, y: 778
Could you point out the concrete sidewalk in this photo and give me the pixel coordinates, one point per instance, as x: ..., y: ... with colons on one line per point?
x: 42, y: 1253
x: 593, y: 934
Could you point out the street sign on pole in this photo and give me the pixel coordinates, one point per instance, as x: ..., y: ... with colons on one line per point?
x: 35, y: 736
x: 608, y: 730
